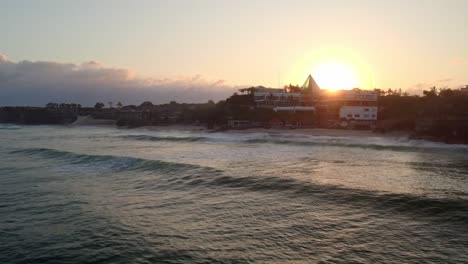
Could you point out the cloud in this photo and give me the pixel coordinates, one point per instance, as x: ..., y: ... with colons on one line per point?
x: 40, y: 82
x: 441, y: 83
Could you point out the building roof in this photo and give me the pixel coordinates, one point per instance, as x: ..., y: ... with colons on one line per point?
x: 310, y: 84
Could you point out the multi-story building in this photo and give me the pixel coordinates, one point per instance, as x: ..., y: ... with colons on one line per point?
x: 330, y: 108
x: 345, y: 108
x: 272, y: 97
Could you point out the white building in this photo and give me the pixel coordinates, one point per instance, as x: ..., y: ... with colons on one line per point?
x: 360, y: 113
x: 270, y: 97
x: 354, y: 95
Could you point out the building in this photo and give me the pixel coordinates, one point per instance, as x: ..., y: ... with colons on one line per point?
x: 342, y: 108
x: 361, y: 113
x: 327, y: 108
x: 272, y: 97
x: 239, y: 124
x: 347, y: 108
x: 297, y: 116
x: 464, y: 90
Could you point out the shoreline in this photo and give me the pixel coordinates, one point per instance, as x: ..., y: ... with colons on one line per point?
x: 319, y: 132
x: 84, y: 121
x: 324, y: 132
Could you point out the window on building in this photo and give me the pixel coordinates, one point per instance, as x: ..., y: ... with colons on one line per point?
x: 366, y: 109
x: 357, y: 115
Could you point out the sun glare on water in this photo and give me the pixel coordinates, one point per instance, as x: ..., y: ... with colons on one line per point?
x: 335, y: 76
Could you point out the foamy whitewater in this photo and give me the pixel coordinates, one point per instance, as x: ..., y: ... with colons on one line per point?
x: 105, y: 195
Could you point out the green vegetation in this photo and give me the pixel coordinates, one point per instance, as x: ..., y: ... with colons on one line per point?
x: 440, y: 114
x: 435, y: 103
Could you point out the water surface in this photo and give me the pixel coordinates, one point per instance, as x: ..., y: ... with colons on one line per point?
x: 104, y: 195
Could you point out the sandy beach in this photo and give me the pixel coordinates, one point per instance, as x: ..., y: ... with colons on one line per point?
x: 89, y: 121
x: 287, y: 131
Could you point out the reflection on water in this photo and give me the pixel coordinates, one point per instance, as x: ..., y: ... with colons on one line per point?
x: 101, y: 195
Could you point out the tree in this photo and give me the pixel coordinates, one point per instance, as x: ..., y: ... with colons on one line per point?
x: 431, y: 93
x: 99, y: 105
x: 292, y: 88
x: 119, y: 105
x: 243, y: 99
x: 147, y: 105
x: 110, y: 104
x: 446, y: 92
x: 52, y: 105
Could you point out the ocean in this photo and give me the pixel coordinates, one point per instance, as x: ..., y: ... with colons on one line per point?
x: 107, y: 195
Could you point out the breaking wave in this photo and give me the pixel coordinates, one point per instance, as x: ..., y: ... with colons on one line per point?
x: 374, y: 143
x: 9, y: 127
x: 397, y: 146
x: 156, y: 138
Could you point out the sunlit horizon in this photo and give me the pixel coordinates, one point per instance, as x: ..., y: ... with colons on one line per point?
x: 335, y: 76
x: 343, y: 44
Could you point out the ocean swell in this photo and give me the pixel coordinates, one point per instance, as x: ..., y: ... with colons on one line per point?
x: 156, y: 138
x: 365, y: 143
x: 373, y: 143
x: 189, y: 176
x: 420, y: 206
x: 115, y: 163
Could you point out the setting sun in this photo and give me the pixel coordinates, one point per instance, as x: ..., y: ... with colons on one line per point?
x: 335, y: 76
x: 334, y: 69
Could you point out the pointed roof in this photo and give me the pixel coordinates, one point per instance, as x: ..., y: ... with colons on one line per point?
x: 311, y: 84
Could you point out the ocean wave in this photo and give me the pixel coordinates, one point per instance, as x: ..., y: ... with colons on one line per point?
x: 114, y: 163
x: 374, y: 143
x: 422, y: 206
x: 192, y: 177
x: 366, y: 143
x: 163, y: 138
x: 9, y: 127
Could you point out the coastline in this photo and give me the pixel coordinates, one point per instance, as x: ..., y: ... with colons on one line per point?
x: 320, y: 132
x: 325, y: 132
x: 89, y: 121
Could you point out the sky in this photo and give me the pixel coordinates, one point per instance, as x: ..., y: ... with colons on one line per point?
x: 195, y: 50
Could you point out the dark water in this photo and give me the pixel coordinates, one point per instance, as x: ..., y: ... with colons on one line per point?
x: 101, y: 195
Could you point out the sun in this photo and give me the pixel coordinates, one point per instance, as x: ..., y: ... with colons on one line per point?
x: 335, y: 75
x: 334, y: 68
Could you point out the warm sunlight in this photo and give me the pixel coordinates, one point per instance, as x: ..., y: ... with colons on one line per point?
x: 334, y: 68
x: 335, y: 76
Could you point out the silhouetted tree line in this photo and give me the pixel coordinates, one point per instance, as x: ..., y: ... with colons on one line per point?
x: 434, y: 103
x: 439, y: 113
